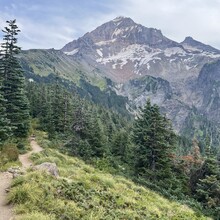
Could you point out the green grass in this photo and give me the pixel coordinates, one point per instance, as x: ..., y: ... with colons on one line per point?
x: 45, y: 62
x: 10, y: 151
x: 83, y: 192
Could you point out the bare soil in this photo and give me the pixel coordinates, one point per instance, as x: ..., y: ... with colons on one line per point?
x: 6, y: 212
x: 5, y: 209
x: 24, y: 159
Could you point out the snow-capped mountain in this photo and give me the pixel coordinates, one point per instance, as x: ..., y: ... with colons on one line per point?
x: 142, y: 63
x: 129, y: 53
x: 125, y: 50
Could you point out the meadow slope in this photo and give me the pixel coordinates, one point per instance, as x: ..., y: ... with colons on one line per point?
x: 83, y: 192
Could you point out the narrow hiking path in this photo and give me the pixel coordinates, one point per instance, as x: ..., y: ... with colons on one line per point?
x: 24, y: 159
x: 6, y: 212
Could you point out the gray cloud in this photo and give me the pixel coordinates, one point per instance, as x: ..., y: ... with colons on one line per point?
x: 54, y: 25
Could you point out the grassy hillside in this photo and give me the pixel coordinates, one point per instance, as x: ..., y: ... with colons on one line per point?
x: 83, y: 192
x: 46, y: 62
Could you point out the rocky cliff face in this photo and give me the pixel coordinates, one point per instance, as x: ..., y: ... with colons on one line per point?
x: 208, y: 88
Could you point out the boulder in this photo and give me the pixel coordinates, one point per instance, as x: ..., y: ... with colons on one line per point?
x: 51, y: 168
x: 15, y: 171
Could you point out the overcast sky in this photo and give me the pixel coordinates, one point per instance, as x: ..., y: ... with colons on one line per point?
x: 53, y: 23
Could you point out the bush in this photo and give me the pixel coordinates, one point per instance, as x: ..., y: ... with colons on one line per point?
x: 10, y: 151
x: 20, y: 146
x: 26, y: 192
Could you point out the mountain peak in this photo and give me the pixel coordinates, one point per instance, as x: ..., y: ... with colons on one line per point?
x: 189, y: 41
x: 119, y: 18
x: 122, y: 21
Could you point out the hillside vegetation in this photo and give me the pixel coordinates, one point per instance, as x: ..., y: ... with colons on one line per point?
x: 83, y: 192
x: 94, y: 126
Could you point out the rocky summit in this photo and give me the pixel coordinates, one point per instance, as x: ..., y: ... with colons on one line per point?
x: 142, y: 63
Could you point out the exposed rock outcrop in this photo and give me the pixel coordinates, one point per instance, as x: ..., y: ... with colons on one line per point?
x: 50, y: 168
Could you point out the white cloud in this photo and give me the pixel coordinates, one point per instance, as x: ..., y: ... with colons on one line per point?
x: 178, y: 19
x: 46, y: 27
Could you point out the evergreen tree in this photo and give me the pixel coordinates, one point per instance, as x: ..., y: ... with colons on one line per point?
x: 96, y: 138
x: 120, y: 145
x: 16, y: 105
x: 5, y: 129
x: 207, y: 189
x: 154, y: 141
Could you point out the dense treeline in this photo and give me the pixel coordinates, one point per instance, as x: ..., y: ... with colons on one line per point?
x: 86, y: 128
x: 145, y: 149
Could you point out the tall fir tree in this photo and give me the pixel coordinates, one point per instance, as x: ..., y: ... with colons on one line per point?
x: 154, y: 141
x: 16, y: 104
x: 207, y: 188
x: 5, y: 129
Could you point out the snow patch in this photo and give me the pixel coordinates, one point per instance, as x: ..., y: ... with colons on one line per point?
x: 99, y: 52
x: 211, y: 55
x: 191, y: 49
x: 136, y: 53
x: 140, y: 29
x: 72, y: 52
x: 114, y: 66
x: 188, y: 67
x: 117, y: 32
x: 30, y: 80
x: 123, y: 31
x: 103, y: 43
x: 118, y: 19
x: 173, y: 51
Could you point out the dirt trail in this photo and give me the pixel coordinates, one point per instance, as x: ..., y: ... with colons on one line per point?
x: 5, y: 210
x: 6, y: 178
x: 24, y: 159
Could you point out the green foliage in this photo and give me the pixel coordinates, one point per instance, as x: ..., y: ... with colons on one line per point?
x: 5, y: 129
x: 12, y: 82
x: 36, y: 216
x: 207, y: 185
x: 198, y: 126
x: 85, y: 128
x: 154, y: 141
x: 82, y: 192
x: 102, y: 138
x: 10, y: 152
x: 120, y: 145
x: 208, y: 191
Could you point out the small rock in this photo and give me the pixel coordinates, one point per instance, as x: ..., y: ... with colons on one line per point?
x: 7, y: 190
x: 14, y: 170
x: 49, y: 167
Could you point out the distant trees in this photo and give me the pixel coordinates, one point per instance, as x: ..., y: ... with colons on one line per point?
x: 13, y: 102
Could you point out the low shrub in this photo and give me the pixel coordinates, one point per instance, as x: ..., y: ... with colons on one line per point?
x: 10, y: 151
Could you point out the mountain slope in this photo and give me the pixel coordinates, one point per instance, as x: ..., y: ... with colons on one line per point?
x: 130, y: 55
x: 46, y: 62
x: 82, y: 192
